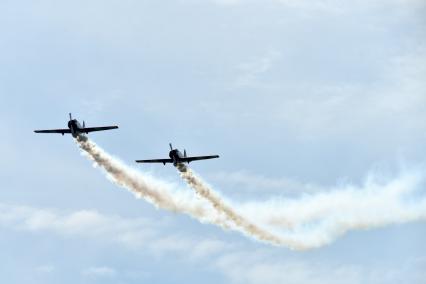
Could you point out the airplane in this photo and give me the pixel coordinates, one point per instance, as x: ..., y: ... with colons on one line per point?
x: 75, y: 128
x: 176, y: 158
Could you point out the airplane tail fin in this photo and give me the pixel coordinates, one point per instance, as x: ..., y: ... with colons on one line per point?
x: 184, y: 153
x: 84, y: 124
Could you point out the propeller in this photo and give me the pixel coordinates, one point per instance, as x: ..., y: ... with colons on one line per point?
x: 171, y: 147
x: 70, y: 116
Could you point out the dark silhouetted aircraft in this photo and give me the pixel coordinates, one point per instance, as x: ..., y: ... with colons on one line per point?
x: 75, y: 128
x: 176, y: 158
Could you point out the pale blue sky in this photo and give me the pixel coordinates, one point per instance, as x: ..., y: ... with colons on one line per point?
x: 296, y: 97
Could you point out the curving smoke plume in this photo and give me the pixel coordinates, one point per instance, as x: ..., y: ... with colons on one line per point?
x: 318, y: 219
x: 302, y: 223
x: 163, y: 196
x: 327, y: 215
x: 160, y: 194
x: 238, y: 220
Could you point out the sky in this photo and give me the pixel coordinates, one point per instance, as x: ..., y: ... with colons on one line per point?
x: 299, y: 98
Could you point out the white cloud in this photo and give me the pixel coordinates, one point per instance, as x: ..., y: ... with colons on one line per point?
x: 93, y: 105
x: 397, y: 103
x: 134, y: 233
x: 48, y: 268
x: 262, y: 267
x: 241, y: 263
x: 209, y: 248
x: 83, y: 223
x: 227, y: 2
x: 244, y: 180
x: 101, y: 271
x: 329, y: 6
x: 390, y: 106
x: 191, y: 249
x: 252, y: 69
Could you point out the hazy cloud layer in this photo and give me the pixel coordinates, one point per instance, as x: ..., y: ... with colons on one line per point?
x: 238, y: 262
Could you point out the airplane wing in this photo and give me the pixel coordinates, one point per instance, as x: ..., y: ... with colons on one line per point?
x: 92, y: 129
x: 60, y: 131
x: 164, y: 161
x: 190, y: 159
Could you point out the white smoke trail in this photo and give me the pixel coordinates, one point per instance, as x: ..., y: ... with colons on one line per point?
x: 158, y: 193
x: 318, y: 219
x: 164, y: 197
x: 238, y: 220
x: 328, y: 215
x: 302, y: 223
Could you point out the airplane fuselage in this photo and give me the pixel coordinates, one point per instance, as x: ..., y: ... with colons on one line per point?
x: 75, y: 127
x: 176, y: 156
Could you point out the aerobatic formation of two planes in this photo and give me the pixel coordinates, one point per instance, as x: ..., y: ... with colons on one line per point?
x: 76, y: 129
